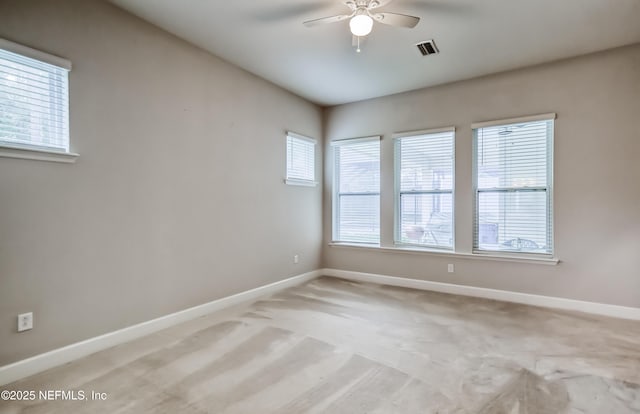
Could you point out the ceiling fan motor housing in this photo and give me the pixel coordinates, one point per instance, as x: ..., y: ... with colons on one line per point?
x: 362, y: 4
x: 363, y: 14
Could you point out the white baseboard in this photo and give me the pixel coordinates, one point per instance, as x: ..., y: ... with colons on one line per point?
x: 503, y: 295
x: 22, y: 369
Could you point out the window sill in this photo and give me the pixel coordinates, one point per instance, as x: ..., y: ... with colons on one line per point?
x: 552, y: 261
x: 8, y: 151
x: 301, y: 183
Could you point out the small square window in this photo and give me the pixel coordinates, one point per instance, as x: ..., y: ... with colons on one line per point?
x: 301, y: 157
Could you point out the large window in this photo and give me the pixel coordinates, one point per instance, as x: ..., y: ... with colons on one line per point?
x: 301, y: 160
x: 34, y: 108
x: 356, y: 206
x: 424, y: 188
x: 513, y: 167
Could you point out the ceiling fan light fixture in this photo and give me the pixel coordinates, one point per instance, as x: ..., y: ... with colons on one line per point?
x: 361, y: 25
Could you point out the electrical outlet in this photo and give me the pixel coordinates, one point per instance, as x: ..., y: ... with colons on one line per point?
x: 296, y: 259
x: 450, y: 268
x: 25, y: 321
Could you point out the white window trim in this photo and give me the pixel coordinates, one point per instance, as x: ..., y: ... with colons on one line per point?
x: 29, y: 152
x: 301, y: 183
x: 297, y: 181
x: 423, y: 132
x: 32, y: 153
x: 396, y: 179
x: 334, y: 189
x: 510, y: 121
x: 514, y: 256
x: 519, y: 258
x: 347, y: 141
x: 35, y: 54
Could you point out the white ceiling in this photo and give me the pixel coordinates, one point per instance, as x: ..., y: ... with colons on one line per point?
x: 475, y: 37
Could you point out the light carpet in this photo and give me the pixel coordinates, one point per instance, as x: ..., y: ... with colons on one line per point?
x: 333, y: 346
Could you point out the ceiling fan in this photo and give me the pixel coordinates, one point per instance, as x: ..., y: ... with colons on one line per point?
x: 363, y: 14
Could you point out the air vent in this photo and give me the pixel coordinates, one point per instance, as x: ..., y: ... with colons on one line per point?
x: 428, y: 47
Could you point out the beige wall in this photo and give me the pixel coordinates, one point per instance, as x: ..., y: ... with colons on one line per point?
x: 177, y: 198
x: 597, y: 175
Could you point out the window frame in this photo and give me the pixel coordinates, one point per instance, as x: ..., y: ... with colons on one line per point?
x: 298, y: 181
x: 550, y: 224
x: 335, y: 191
x: 397, y: 219
x: 42, y: 152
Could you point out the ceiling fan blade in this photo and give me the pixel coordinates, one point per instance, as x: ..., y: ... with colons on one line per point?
x: 395, y: 19
x: 375, y: 4
x: 324, y: 20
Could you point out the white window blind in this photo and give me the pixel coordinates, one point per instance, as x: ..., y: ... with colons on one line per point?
x: 356, y: 210
x: 301, y: 157
x: 513, y: 179
x: 424, y: 182
x: 34, y: 108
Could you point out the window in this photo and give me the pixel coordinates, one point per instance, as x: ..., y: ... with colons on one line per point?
x: 356, y: 209
x: 34, y: 108
x: 301, y: 160
x: 513, y: 182
x: 424, y: 188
